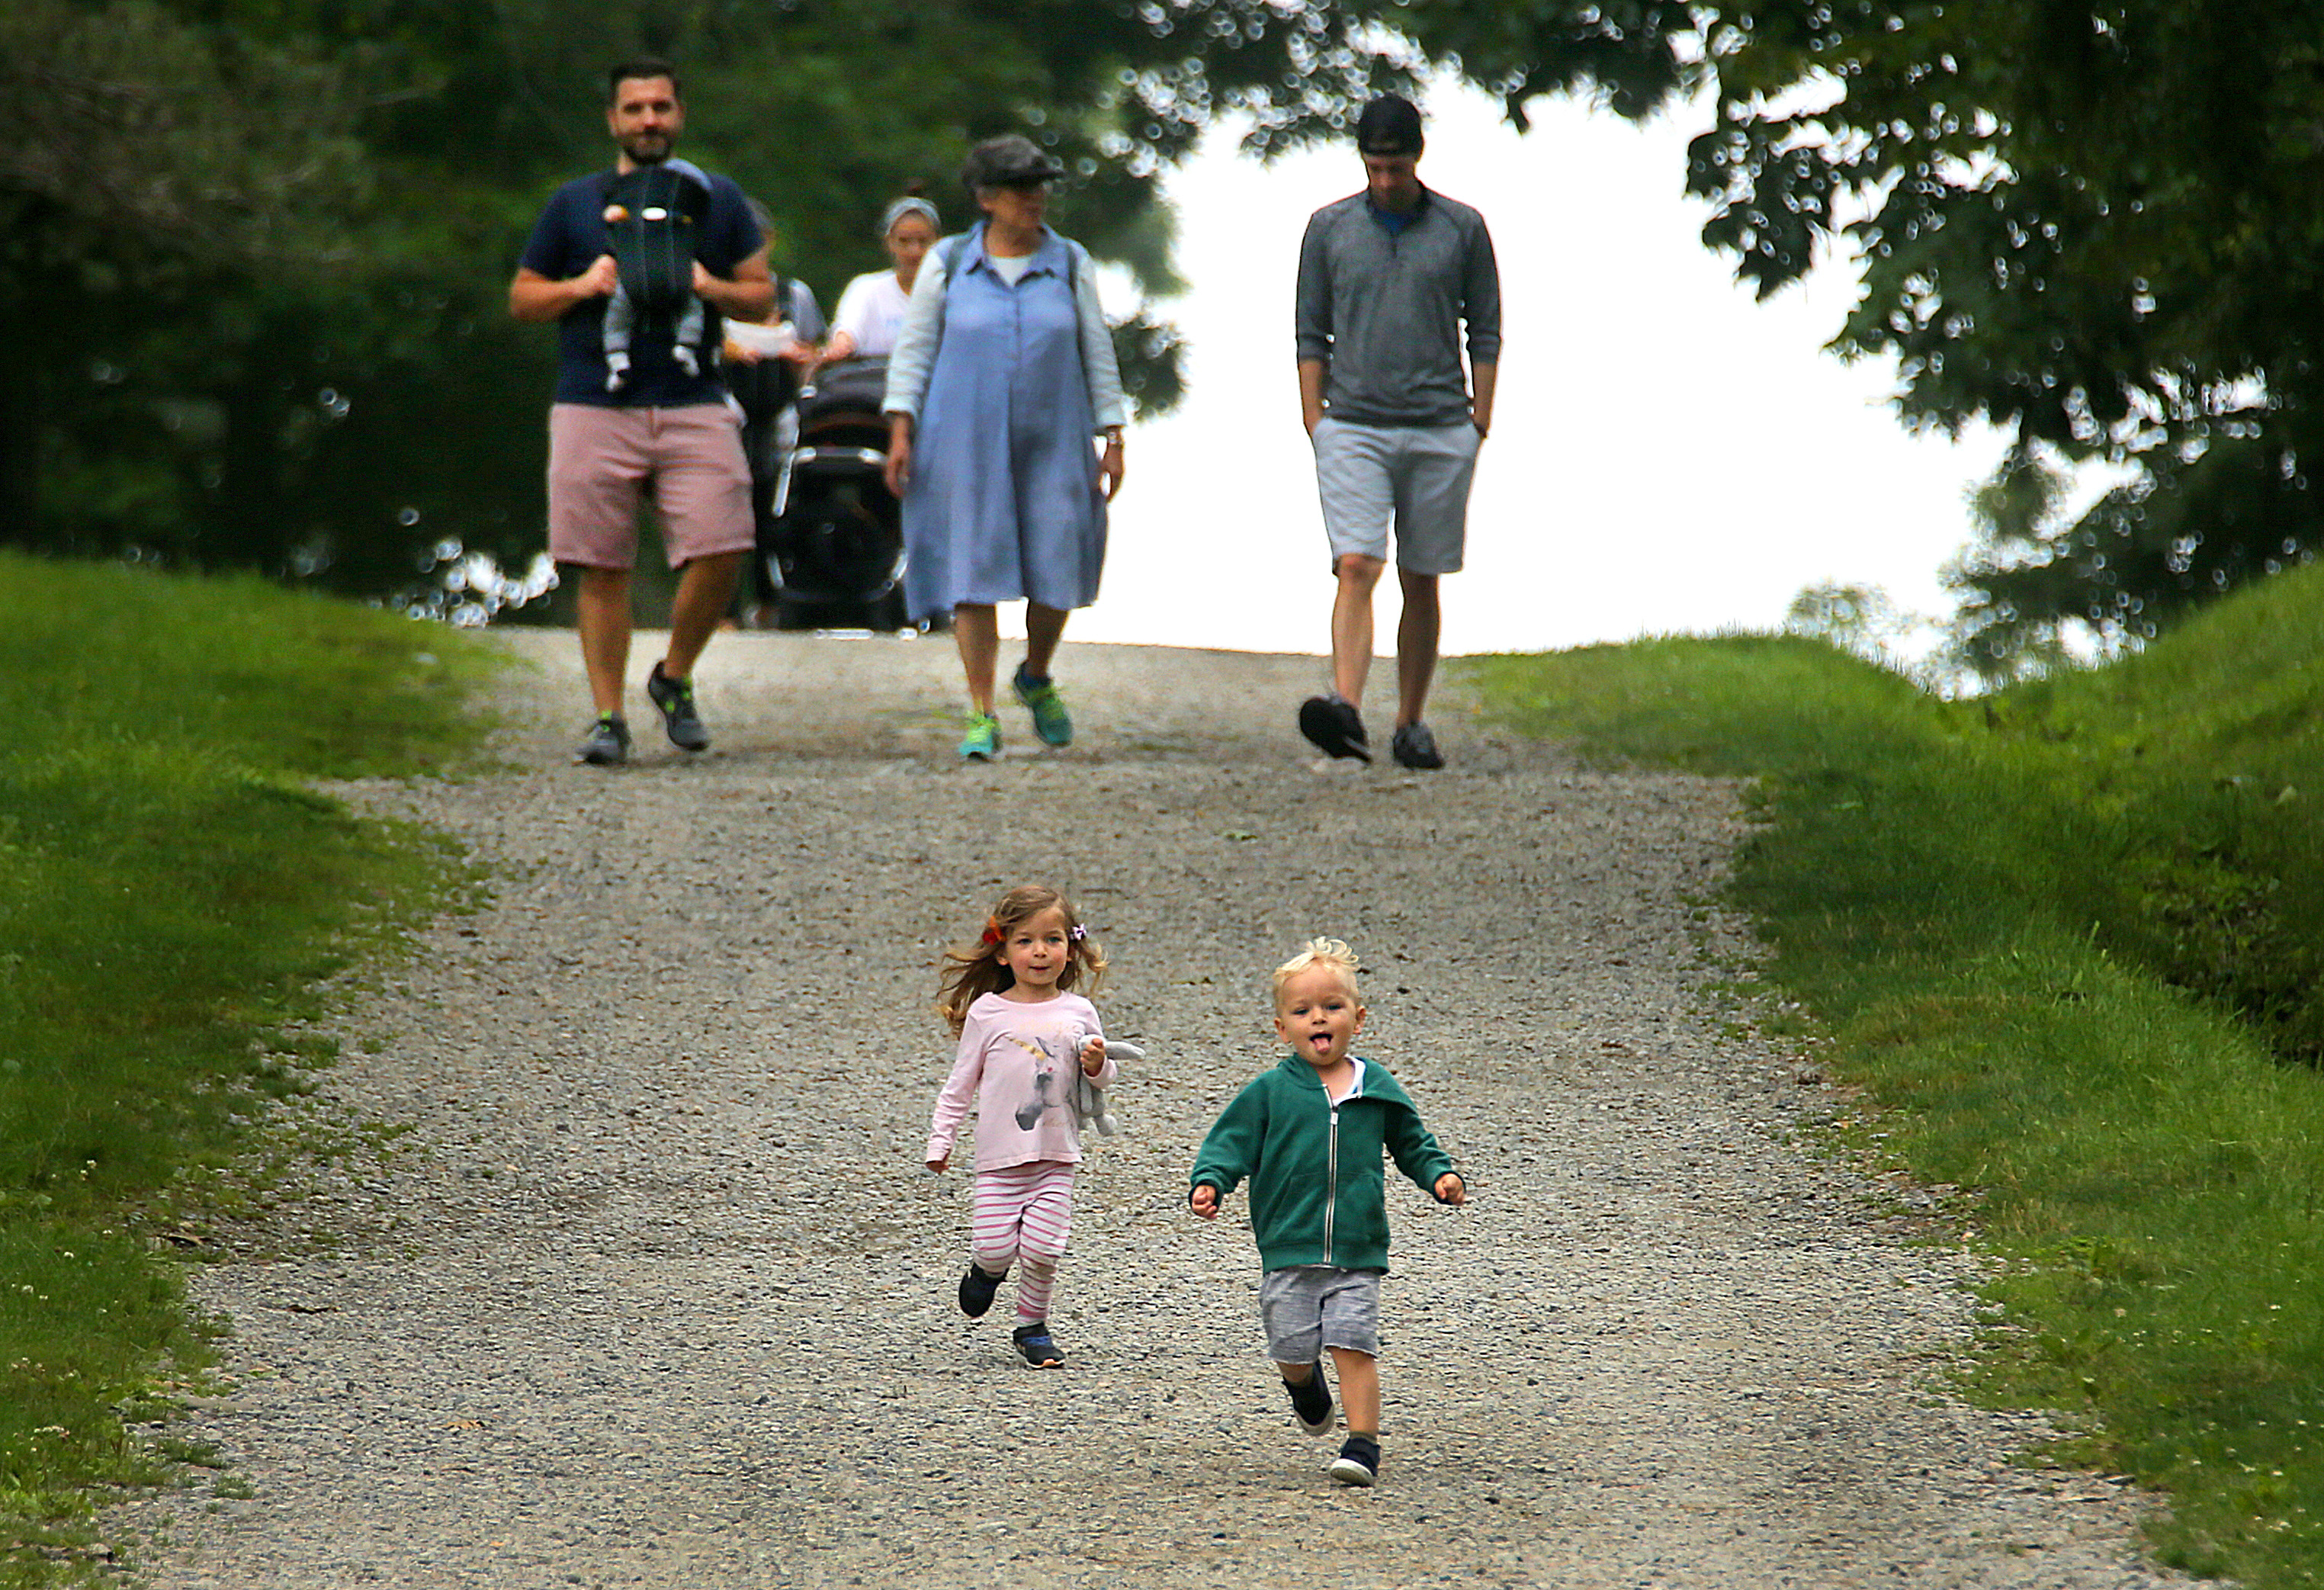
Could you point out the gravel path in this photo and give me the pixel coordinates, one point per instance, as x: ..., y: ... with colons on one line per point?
x: 657, y: 1293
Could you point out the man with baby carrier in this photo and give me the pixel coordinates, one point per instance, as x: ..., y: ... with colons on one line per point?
x: 638, y: 266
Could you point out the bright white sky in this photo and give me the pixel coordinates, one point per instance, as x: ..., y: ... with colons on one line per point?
x: 1668, y: 456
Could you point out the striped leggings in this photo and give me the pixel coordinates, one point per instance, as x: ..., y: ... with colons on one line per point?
x: 1023, y: 1214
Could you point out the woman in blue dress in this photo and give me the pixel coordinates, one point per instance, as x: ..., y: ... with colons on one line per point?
x: 1002, y: 381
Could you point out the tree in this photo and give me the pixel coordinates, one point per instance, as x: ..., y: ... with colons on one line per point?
x: 2093, y: 224
x: 151, y: 156
x: 263, y: 245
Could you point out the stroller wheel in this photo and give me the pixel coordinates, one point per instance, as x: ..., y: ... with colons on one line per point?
x: 887, y: 611
x: 796, y: 612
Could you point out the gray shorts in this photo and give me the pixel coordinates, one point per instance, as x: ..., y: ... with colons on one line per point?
x: 1311, y: 1306
x: 1415, y: 476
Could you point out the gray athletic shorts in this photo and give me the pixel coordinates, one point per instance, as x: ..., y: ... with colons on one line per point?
x: 1311, y: 1306
x: 1416, y: 476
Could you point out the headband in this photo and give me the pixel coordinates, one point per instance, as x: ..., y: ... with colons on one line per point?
x: 908, y: 207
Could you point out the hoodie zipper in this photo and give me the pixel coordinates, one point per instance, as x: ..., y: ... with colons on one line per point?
x: 1331, y: 1184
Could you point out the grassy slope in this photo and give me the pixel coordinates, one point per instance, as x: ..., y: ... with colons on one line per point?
x: 2024, y: 927
x: 170, y: 892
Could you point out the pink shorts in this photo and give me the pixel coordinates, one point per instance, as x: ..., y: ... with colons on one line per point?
x: 601, y: 459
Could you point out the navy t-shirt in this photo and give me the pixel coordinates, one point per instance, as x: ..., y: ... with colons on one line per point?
x: 569, y: 235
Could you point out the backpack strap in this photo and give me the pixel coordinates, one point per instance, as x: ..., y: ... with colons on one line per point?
x: 948, y: 251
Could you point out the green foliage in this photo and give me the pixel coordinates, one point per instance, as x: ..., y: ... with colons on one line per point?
x: 2095, y: 226
x: 2203, y: 834
x: 256, y: 253
x: 170, y: 893
x: 2067, y: 939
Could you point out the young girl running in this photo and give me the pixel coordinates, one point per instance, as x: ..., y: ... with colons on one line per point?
x: 1024, y: 1035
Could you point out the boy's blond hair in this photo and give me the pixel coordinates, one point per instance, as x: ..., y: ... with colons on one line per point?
x: 1333, y: 953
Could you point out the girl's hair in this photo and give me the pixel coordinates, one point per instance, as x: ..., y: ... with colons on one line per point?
x: 1333, y: 953
x: 970, y: 974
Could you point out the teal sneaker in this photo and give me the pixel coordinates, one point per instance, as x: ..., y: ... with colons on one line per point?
x: 1051, y: 721
x: 982, y: 742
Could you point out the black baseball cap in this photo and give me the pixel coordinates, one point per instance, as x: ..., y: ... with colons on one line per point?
x: 1389, y: 125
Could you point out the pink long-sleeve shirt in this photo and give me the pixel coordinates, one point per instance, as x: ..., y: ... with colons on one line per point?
x: 1016, y: 1063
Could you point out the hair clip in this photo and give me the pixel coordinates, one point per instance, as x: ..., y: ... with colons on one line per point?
x: 991, y: 930
x: 1077, y: 932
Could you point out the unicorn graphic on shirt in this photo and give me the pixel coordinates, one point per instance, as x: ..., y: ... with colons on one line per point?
x: 1044, y: 1078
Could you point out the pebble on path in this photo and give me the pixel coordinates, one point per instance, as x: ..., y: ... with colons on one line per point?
x: 656, y: 1292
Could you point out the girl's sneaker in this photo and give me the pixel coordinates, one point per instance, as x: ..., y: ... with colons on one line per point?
x: 982, y: 742
x: 1358, y: 1463
x: 1033, y: 1346
x: 976, y: 1289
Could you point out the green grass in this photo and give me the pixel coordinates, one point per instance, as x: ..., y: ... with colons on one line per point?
x: 2068, y: 942
x: 171, y: 894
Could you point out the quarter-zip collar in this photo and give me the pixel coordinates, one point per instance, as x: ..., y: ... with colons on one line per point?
x: 1397, y: 223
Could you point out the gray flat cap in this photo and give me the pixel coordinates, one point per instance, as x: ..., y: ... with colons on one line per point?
x: 1008, y: 162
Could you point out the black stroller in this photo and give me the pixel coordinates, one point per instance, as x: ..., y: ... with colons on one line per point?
x: 830, y: 533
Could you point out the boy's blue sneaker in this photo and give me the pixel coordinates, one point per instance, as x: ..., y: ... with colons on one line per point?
x: 1311, y: 1400
x: 1051, y: 722
x: 1358, y: 1463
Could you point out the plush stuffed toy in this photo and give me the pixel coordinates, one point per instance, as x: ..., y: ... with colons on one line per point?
x: 1087, y: 1099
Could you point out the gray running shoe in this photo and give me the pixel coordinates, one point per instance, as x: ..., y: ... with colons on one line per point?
x: 1336, y: 727
x: 1414, y: 746
x: 608, y: 743
x: 675, y: 698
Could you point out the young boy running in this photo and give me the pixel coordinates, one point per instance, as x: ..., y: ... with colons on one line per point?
x: 1309, y: 1135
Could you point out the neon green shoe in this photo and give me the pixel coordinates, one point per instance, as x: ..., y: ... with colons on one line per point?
x: 1051, y: 721
x: 982, y: 742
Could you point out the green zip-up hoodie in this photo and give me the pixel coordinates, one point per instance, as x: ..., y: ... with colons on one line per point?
x: 1318, y: 1194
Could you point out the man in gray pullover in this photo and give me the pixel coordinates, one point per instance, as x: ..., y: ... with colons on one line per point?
x: 1388, y: 280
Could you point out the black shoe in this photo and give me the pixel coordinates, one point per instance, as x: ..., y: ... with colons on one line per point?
x: 1033, y: 1346
x: 676, y: 699
x: 976, y: 1289
x: 1311, y: 1400
x: 1414, y: 746
x: 608, y: 743
x: 1336, y: 727
x: 1358, y: 1463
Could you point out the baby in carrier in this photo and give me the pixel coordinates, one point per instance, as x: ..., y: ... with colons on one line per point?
x: 654, y: 217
